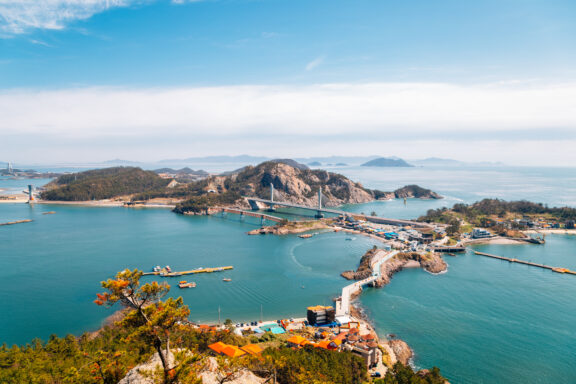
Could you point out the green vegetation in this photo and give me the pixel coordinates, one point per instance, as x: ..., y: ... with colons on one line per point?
x: 103, y: 184
x: 480, y: 213
x: 200, y: 204
x: 310, y: 365
x: 403, y: 374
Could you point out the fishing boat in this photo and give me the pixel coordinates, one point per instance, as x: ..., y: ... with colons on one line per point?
x: 185, y: 284
x: 226, y: 279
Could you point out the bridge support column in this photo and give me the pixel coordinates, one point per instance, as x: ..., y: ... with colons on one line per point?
x: 271, y: 208
x: 319, y: 215
x: 261, y: 220
x: 241, y: 216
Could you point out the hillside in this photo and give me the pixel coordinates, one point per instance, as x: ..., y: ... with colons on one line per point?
x: 294, y: 185
x: 102, y: 184
x: 386, y: 162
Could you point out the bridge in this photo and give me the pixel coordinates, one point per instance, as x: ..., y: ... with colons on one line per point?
x: 320, y: 210
x: 343, y: 303
x: 261, y: 216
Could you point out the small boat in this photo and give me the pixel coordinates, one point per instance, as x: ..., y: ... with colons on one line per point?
x: 306, y: 236
x: 226, y: 279
x: 185, y: 284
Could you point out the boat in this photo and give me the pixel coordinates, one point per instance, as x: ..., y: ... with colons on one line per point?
x: 185, y: 284
x: 226, y: 279
x: 306, y: 236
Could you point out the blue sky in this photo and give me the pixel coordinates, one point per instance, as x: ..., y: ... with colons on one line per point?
x: 506, y: 67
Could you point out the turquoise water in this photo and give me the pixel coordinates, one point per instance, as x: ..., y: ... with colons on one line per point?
x: 484, y: 321
x: 50, y: 269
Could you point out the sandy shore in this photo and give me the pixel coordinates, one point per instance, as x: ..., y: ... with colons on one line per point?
x: 493, y: 240
x: 551, y: 231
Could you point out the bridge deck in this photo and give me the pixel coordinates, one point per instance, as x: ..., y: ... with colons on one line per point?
x: 373, y: 219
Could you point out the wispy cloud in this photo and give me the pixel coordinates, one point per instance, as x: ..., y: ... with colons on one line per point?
x: 22, y: 16
x: 314, y: 63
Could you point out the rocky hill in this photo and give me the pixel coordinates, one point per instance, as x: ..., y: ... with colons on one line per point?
x: 291, y: 184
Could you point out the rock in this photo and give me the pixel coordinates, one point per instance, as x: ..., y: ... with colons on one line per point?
x: 140, y: 373
x: 211, y: 374
x: 364, y: 270
x: 401, y: 350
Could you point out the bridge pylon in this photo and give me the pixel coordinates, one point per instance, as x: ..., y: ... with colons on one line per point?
x: 319, y: 213
x: 271, y: 206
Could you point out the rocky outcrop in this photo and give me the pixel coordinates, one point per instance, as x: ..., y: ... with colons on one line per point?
x: 364, y: 270
x: 415, y: 191
x: 431, y: 262
x: 291, y: 227
x: 213, y: 374
x: 401, y: 350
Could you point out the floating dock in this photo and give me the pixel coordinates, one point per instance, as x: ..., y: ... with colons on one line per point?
x: 191, y: 272
x: 17, y: 222
x: 553, y: 269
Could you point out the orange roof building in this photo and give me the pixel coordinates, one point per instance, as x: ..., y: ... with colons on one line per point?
x: 217, y: 347
x: 233, y: 351
x: 323, y: 344
x: 252, y: 349
x: 297, y: 340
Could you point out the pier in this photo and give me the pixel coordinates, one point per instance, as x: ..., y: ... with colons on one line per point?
x: 448, y: 249
x: 16, y: 222
x: 191, y: 272
x: 554, y: 269
x: 343, y: 303
x: 261, y: 216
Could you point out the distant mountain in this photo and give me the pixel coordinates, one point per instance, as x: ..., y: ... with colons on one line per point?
x: 247, y: 159
x: 386, y: 162
x: 183, y: 171
x: 315, y: 163
x: 354, y: 160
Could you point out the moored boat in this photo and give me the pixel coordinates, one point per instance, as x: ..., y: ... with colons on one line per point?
x: 226, y: 279
x: 185, y: 284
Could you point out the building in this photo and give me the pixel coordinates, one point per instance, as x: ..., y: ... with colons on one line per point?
x: 570, y: 224
x: 319, y: 315
x: 479, y: 233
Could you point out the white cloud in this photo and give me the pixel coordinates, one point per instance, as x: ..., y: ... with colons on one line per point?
x: 21, y: 16
x: 314, y: 63
x: 330, y: 114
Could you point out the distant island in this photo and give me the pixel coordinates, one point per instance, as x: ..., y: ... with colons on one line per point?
x: 386, y: 162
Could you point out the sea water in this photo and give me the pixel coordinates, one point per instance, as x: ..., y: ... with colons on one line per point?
x: 483, y: 321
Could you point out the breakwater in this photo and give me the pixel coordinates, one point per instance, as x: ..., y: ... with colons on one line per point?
x: 511, y: 260
x: 16, y: 222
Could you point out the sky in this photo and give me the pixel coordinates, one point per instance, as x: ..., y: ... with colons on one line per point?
x: 145, y: 80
